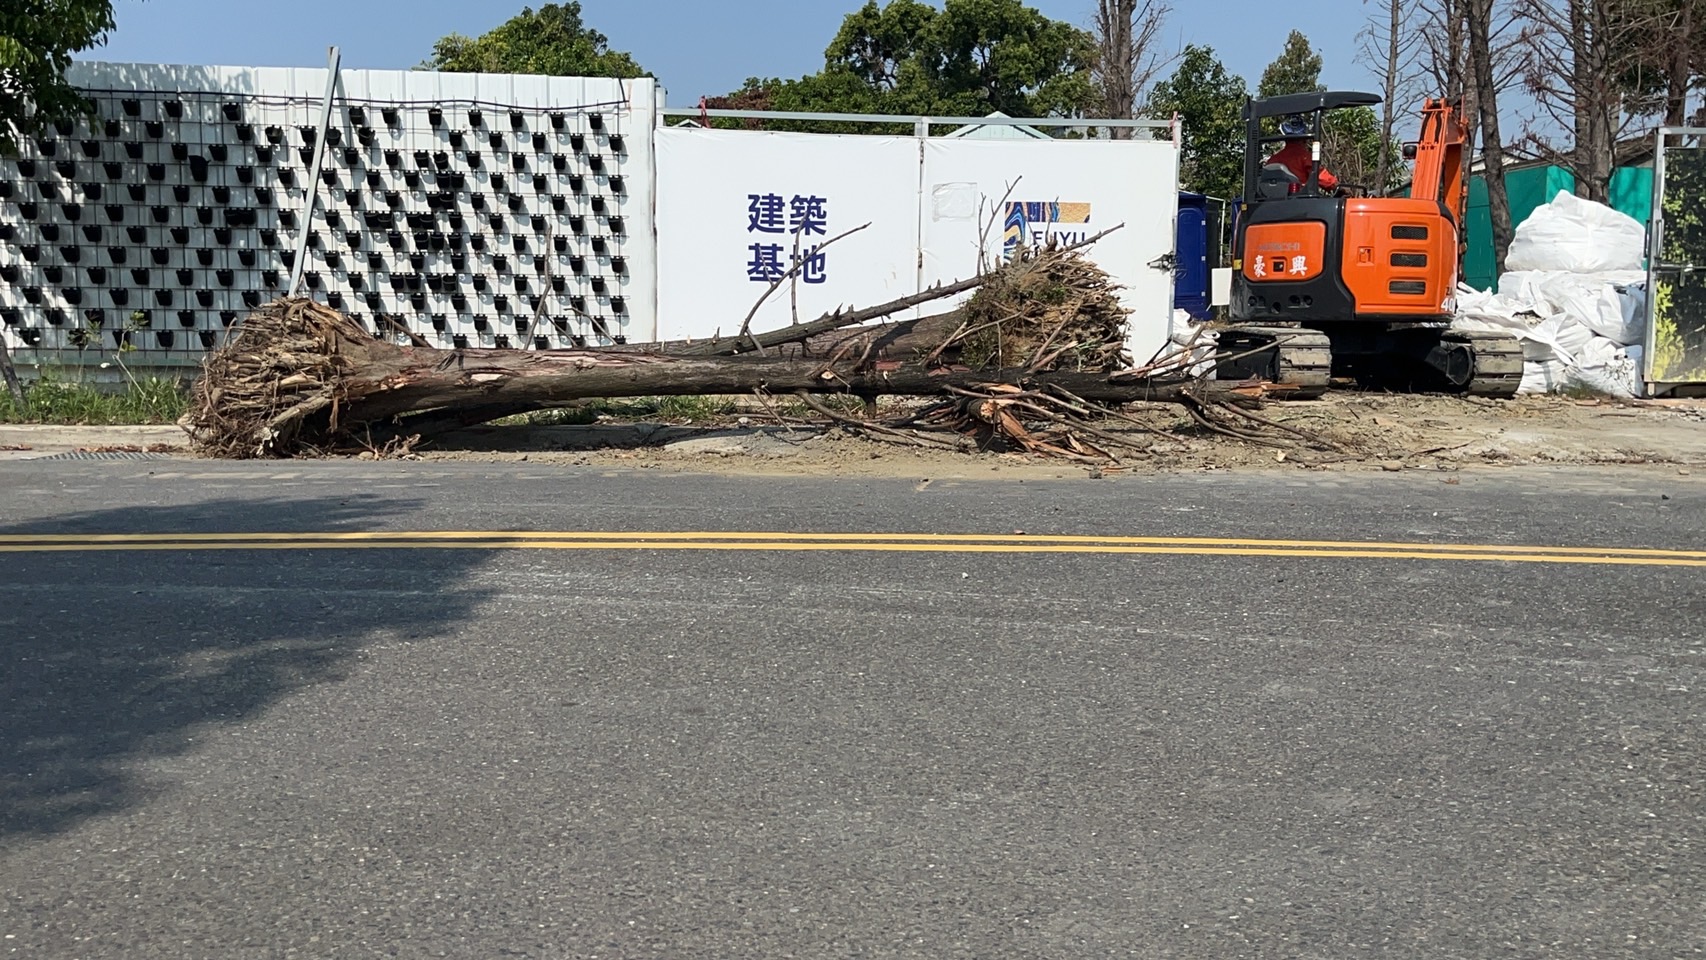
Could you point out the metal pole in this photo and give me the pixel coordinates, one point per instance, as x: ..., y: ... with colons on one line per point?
x: 920, y: 130
x: 1655, y: 247
x: 901, y: 118
x: 334, y: 58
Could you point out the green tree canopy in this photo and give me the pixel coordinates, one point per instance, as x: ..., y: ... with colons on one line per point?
x: 1296, y: 70
x: 1210, y: 103
x: 969, y: 58
x: 876, y: 43
x: 36, y: 43
x: 1350, y: 146
x: 551, y: 41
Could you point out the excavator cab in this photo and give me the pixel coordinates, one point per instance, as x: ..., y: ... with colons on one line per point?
x: 1362, y: 287
x: 1274, y: 178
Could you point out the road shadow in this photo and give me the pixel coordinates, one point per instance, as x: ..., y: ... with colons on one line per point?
x: 109, y: 660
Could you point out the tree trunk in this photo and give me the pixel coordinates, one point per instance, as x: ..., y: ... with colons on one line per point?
x: 1679, y: 72
x: 300, y: 376
x: 1444, y: 31
x: 1590, y: 158
x: 422, y: 381
x: 1113, y: 23
x: 1479, y: 22
x: 1383, y: 166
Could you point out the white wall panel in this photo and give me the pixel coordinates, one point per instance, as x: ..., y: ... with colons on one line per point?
x: 728, y: 202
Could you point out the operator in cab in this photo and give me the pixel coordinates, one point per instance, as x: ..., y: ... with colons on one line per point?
x: 1295, y: 156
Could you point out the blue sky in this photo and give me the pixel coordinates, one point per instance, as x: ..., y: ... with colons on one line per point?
x: 693, y: 46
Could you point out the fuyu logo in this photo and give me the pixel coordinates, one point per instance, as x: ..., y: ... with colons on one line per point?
x: 1032, y: 223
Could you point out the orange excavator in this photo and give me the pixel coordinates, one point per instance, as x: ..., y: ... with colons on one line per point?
x: 1330, y: 287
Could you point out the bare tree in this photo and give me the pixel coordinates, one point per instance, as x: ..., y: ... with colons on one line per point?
x: 1478, y: 16
x: 1474, y: 69
x: 1442, y: 36
x: 1687, y: 54
x: 1587, y: 56
x: 1444, y: 54
x: 1676, y: 47
x: 1390, y: 49
x: 1128, y: 54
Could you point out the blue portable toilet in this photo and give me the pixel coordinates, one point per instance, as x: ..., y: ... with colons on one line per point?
x: 1190, y: 251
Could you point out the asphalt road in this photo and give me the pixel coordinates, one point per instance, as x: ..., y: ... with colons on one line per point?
x: 343, y: 749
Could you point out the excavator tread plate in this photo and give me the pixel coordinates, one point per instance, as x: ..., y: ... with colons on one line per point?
x: 1498, y: 362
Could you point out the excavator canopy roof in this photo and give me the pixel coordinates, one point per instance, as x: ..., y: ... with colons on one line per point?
x: 1308, y: 103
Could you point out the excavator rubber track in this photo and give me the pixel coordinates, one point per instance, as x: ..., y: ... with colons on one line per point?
x: 1497, y: 363
x: 1302, y: 362
x: 1296, y: 360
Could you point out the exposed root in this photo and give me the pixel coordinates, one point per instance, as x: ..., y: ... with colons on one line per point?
x: 278, y: 371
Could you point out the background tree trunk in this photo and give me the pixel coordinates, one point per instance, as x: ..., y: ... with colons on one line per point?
x: 1478, y: 20
x: 1442, y: 27
x: 1679, y: 72
x: 1127, y: 32
x: 1592, y: 152
x: 1389, y: 93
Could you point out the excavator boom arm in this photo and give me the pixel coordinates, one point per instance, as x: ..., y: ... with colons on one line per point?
x: 1438, y: 171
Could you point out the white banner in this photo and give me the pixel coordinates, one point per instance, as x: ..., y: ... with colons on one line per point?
x: 735, y: 208
x: 996, y: 194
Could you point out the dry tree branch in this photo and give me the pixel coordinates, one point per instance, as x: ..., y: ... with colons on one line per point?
x: 984, y: 228
x: 913, y: 438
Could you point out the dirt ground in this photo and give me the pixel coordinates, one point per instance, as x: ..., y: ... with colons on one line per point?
x: 1362, y: 432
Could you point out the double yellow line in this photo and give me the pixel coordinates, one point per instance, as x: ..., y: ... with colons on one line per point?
x: 842, y: 542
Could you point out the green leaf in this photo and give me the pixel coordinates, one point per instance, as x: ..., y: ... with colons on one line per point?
x: 970, y: 58
x: 37, y: 41
x: 1209, y: 102
x: 552, y: 41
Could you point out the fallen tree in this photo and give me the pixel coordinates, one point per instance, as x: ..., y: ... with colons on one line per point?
x: 1041, y: 344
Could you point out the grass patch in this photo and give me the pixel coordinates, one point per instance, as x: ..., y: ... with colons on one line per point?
x: 563, y: 417
x: 151, y: 400
x: 839, y: 402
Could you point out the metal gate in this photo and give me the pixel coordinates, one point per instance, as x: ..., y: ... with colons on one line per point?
x: 1676, y: 267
